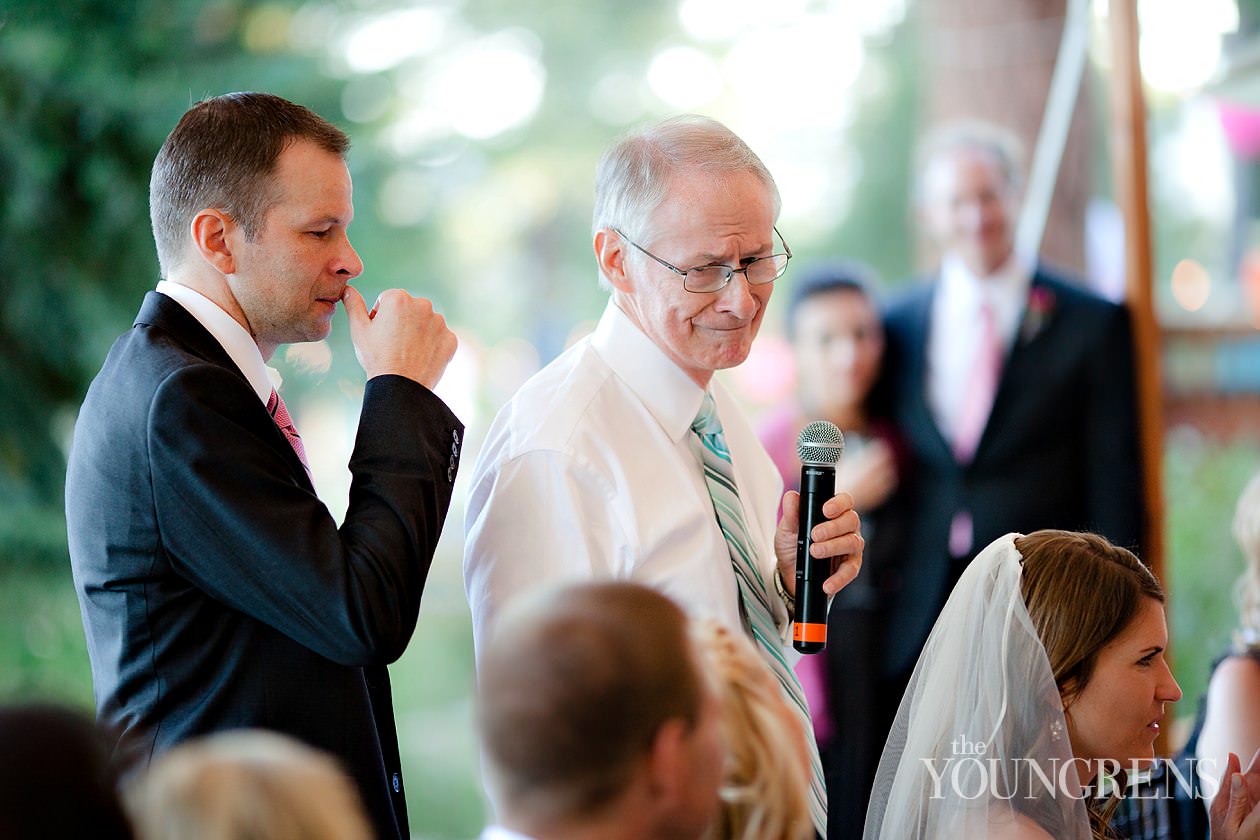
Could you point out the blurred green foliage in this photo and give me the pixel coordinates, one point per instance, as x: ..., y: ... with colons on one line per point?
x: 88, y: 90
x: 1202, y: 482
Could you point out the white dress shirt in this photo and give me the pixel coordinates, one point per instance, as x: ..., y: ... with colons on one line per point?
x: 954, y: 331
x: 498, y: 832
x: 234, y: 338
x: 591, y: 472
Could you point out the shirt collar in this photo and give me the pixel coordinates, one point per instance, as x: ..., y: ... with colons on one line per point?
x: 234, y: 338
x: 498, y: 832
x: 1010, y: 278
x: 671, y: 396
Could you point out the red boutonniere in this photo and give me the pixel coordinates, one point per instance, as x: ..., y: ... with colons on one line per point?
x: 1041, y: 302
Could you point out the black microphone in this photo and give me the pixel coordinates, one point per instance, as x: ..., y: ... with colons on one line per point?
x: 819, y: 447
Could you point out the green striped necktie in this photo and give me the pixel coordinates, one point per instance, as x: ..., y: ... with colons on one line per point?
x: 754, y: 594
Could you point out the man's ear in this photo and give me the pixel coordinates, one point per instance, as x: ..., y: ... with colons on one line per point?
x: 666, y: 763
x: 211, y: 230
x: 610, y: 255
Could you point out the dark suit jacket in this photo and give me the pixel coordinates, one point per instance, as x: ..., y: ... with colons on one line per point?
x: 217, y: 591
x: 1060, y: 449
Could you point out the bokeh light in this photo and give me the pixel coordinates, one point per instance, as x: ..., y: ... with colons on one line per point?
x: 1191, y: 285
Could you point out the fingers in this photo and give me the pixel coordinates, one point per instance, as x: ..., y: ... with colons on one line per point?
x: 827, y: 533
x: 1221, y: 813
x: 401, y: 335
x: 840, y: 538
x: 845, y: 569
x: 785, y: 537
x: 356, y: 309
x: 837, y: 505
x: 1250, y: 827
x: 1239, y: 802
x: 790, y: 517
x: 1251, y: 777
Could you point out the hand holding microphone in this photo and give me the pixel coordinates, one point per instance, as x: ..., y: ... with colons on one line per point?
x: 817, y: 543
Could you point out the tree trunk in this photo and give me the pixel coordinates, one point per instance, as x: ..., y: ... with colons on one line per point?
x: 993, y: 60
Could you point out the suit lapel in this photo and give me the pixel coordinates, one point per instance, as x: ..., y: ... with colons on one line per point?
x: 1034, y: 323
x: 165, y: 314
x: 919, y: 313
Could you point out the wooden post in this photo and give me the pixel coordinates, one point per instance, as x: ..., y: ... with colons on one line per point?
x: 1128, y: 155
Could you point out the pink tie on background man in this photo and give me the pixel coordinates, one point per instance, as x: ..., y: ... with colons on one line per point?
x: 279, y: 413
x: 977, y: 400
x: 977, y: 403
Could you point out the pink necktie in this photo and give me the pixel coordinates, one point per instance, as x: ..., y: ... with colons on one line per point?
x: 977, y: 400
x: 977, y: 403
x: 278, y: 412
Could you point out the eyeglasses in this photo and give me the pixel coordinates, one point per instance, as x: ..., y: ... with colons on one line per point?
x: 704, y: 279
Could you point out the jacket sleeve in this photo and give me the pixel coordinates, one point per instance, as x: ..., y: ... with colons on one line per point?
x: 239, y: 525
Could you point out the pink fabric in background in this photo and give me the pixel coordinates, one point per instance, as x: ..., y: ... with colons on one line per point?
x: 1242, y: 128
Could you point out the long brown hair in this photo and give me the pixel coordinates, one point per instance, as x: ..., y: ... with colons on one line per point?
x: 1081, y: 592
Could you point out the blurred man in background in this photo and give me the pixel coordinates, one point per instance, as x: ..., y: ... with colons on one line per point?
x: 1012, y: 386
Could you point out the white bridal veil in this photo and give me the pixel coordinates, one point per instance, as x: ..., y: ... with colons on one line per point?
x: 980, y: 747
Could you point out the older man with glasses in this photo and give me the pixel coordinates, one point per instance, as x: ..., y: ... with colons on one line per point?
x: 623, y: 459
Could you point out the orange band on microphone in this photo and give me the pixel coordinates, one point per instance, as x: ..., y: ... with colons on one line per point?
x: 809, y: 632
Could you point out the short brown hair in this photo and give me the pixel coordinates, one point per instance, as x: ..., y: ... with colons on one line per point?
x: 574, y: 686
x: 222, y: 154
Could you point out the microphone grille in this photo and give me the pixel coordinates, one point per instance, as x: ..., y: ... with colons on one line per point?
x: 820, y: 443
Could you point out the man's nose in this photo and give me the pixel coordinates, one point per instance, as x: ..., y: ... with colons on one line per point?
x: 348, y: 263
x: 737, y: 297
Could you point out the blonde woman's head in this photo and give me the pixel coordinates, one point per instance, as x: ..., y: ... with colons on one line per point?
x: 246, y: 785
x: 766, y: 778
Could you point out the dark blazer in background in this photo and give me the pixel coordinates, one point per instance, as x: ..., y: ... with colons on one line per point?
x: 1060, y: 449
x: 217, y: 591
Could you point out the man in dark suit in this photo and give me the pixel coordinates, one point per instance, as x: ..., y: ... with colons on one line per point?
x: 217, y: 591
x: 1013, y: 387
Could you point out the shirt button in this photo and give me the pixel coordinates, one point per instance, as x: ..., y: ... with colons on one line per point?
x: 397, y: 781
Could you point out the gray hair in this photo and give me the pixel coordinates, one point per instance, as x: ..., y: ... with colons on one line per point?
x: 633, y: 175
x: 970, y: 135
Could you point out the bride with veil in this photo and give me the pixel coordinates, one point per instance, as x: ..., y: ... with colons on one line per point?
x: 1045, y: 665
